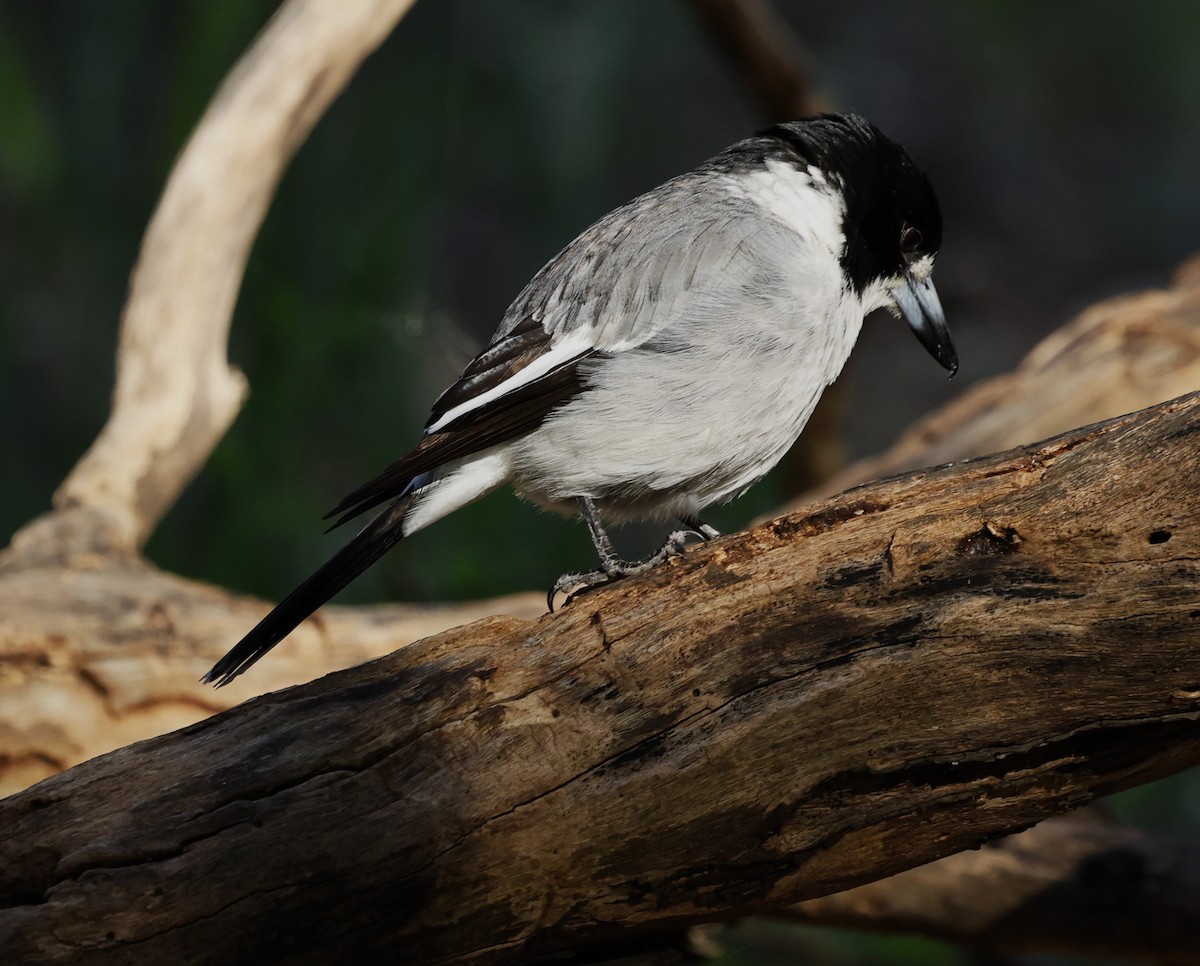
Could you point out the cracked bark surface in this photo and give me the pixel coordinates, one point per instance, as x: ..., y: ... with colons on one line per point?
x: 905, y: 671
x: 101, y: 652
x: 97, y: 650
x: 203, y: 836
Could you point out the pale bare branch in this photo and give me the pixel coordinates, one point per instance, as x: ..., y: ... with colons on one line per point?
x: 175, y: 393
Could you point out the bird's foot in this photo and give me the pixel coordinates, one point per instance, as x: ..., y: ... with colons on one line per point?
x: 576, y: 583
x: 700, y: 528
x: 614, y: 569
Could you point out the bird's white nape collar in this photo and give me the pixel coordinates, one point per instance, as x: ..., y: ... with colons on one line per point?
x: 805, y: 201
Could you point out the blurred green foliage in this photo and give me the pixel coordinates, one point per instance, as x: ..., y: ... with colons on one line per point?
x: 1063, y: 139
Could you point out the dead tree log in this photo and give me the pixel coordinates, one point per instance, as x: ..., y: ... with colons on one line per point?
x: 100, y: 653
x: 98, y: 650
x: 905, y: 671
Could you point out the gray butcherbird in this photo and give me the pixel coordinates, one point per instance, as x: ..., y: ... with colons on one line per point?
x: 667, y: 358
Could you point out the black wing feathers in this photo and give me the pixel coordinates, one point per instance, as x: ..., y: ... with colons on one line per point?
x: 502, y: 419
x: 493, y: 365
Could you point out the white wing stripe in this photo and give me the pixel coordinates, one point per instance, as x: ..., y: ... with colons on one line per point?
x: 573, y: 344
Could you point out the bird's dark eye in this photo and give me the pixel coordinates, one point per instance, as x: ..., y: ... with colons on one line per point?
x: 910, y: 240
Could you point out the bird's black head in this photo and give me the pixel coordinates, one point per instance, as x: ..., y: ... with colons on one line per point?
x: 892, y: 223
x: 892, y: 216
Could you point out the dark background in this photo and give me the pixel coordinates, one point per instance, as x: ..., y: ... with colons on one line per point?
x: 1063, y: 139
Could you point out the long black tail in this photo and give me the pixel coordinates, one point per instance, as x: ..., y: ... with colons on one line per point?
x: 371, y: 543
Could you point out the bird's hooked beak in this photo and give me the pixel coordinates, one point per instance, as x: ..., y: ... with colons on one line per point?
x: 918, y: 302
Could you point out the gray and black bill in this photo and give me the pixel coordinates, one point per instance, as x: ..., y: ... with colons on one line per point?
x: 918, y: 302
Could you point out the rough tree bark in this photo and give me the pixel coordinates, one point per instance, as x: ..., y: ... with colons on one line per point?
x: 105, y: 649
x: 99, y: 648
x: 905, y: 671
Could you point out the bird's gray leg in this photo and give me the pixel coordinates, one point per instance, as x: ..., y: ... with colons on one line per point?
x: 609, y: 560
x: 612, y: 567
x: 698, y: 526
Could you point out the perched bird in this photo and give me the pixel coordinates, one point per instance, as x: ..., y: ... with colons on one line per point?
x: 669, y: 356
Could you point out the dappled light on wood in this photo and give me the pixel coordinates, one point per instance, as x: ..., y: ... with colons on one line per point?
x: 786, y: 722
x: 620, y: 763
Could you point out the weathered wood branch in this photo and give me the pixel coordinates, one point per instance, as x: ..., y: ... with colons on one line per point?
x: 910, y: 669
x: 101, y: 650
x: 175, y: 393
x: 95, y: 657
x: 1071, y: 884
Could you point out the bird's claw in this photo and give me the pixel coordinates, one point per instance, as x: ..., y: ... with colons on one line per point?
x: 614, y: 569
x: 575, y: 584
